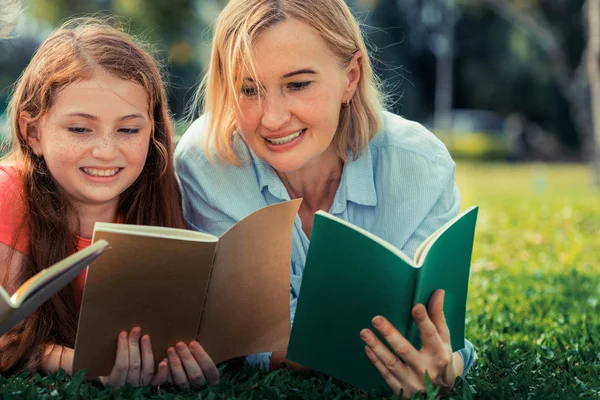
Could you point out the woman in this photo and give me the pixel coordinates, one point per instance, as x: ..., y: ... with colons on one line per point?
x: 292, y: 110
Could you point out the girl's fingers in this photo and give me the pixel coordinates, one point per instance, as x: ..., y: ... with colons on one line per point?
x: 135, y: 362
x: 162, y: 374
x: 147, y: 371
x: 192, y: 367
x: 176, y: 369
x: 209, y: 369
x: 118, y: 375
x: 435, y: 307
x: 392, y: 363
x: 389, y: 378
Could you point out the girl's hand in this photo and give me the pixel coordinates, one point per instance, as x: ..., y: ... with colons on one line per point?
x: 406, y: 368
x: 134, y: 363
x: 190, y: 366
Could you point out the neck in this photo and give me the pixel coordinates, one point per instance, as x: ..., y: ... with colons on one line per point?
x: 317, y: 182
x: 89, y: 214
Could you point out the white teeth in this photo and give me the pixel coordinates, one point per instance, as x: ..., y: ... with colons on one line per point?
x: 286, y: 139
x: 101, y: 172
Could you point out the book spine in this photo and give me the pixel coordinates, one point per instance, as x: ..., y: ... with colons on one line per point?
x: 212, y: 265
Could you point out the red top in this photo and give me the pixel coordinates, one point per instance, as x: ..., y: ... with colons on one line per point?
x: 11, y: 215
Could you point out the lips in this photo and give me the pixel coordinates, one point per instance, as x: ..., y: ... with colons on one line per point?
x: 285, y: 139
x: 101, y: 172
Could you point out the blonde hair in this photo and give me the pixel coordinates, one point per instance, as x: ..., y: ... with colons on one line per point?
x: 240, y: 24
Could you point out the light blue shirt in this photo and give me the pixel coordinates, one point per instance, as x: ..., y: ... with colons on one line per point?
x: 402, y: 188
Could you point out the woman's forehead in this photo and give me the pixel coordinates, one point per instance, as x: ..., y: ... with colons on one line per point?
x: 290, y: 46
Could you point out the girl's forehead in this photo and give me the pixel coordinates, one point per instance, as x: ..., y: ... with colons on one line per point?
x: 103, y: 93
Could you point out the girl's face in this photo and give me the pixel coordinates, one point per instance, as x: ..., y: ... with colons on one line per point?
x: 95, y: 138
x: 304, y: 84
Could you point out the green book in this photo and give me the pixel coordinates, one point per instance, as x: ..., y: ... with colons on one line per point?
x: 351, y: 276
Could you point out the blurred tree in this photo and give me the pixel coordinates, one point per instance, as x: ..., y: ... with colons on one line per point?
x: 533, y: 18
x: 593, y: 56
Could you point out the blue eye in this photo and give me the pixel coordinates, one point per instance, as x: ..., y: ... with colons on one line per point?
x: 78, y: 129
x: 299, y: 85
x: 249, y: 91
x: 129, y: 130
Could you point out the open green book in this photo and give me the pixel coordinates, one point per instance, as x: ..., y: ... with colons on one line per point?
x: 351, y: 276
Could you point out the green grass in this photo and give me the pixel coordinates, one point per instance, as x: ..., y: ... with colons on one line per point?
x: 533, y: 303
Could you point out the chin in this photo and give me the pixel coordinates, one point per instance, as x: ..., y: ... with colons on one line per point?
x: 286, y: 166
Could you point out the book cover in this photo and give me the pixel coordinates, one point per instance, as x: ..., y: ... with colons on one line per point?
x: 351, y: 276
x: 42, y: 286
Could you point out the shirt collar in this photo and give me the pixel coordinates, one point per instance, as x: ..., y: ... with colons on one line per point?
x: 357, y: 184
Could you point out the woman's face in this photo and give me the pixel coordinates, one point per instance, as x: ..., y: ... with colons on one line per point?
x: 293, y: 125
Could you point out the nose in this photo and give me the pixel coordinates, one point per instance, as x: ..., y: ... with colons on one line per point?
x: 105, y: 147
x: 275, y: 112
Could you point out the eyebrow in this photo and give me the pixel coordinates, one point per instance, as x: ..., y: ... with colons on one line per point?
x: 300, y: 72
x: 289, y: 74
x: 94, y: 118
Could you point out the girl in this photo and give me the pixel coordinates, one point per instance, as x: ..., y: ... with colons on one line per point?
x: 92, y: 141
x: 293, y: 110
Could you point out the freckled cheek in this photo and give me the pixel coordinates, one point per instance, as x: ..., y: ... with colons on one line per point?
x: 65, y: 154
x: 136, y: 151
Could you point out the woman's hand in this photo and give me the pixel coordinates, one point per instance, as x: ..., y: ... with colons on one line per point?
x: 134, y: 363
x: 406, y: 369
x: 190, y: 366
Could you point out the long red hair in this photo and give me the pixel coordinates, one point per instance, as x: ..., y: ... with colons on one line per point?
x: 70, y: 54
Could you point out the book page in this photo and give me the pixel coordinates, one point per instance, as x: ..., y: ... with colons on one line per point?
x: 155, y: 283
x: 155, y: 231
x: 248, y: 306
x: 424, y: 247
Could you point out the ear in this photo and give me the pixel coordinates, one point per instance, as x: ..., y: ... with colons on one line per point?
x: 353, y: 71
x: 30, y: 131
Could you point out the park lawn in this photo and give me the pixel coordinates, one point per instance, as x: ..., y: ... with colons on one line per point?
x: 534, y: 300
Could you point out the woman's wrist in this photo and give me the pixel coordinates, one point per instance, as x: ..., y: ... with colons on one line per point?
x: 459, y: 364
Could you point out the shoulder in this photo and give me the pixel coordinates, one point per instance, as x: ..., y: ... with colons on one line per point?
x: 192, y: 146
x: 12, y: 206
x: 11, y: 189
x: 402, y: 136
x: 405, y: 142
x: 204, y: 173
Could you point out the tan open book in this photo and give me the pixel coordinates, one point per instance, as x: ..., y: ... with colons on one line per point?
x: 43, y: 285
x: 230, y: 293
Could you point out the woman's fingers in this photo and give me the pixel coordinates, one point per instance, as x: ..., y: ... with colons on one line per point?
x: 147, y: 371
x: 392, y: 363
x: 135, y: 361
x: 209, y: 369
x: 176, y: 369
x: 396, y: 340
x: 389, y: 378
x: 190, y: 364
x: 429, y: 334
x: 435, y: 307
x: 118, y: 375
x: 162, y: 374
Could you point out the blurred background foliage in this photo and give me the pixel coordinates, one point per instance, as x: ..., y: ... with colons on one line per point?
x: 472, y: 61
